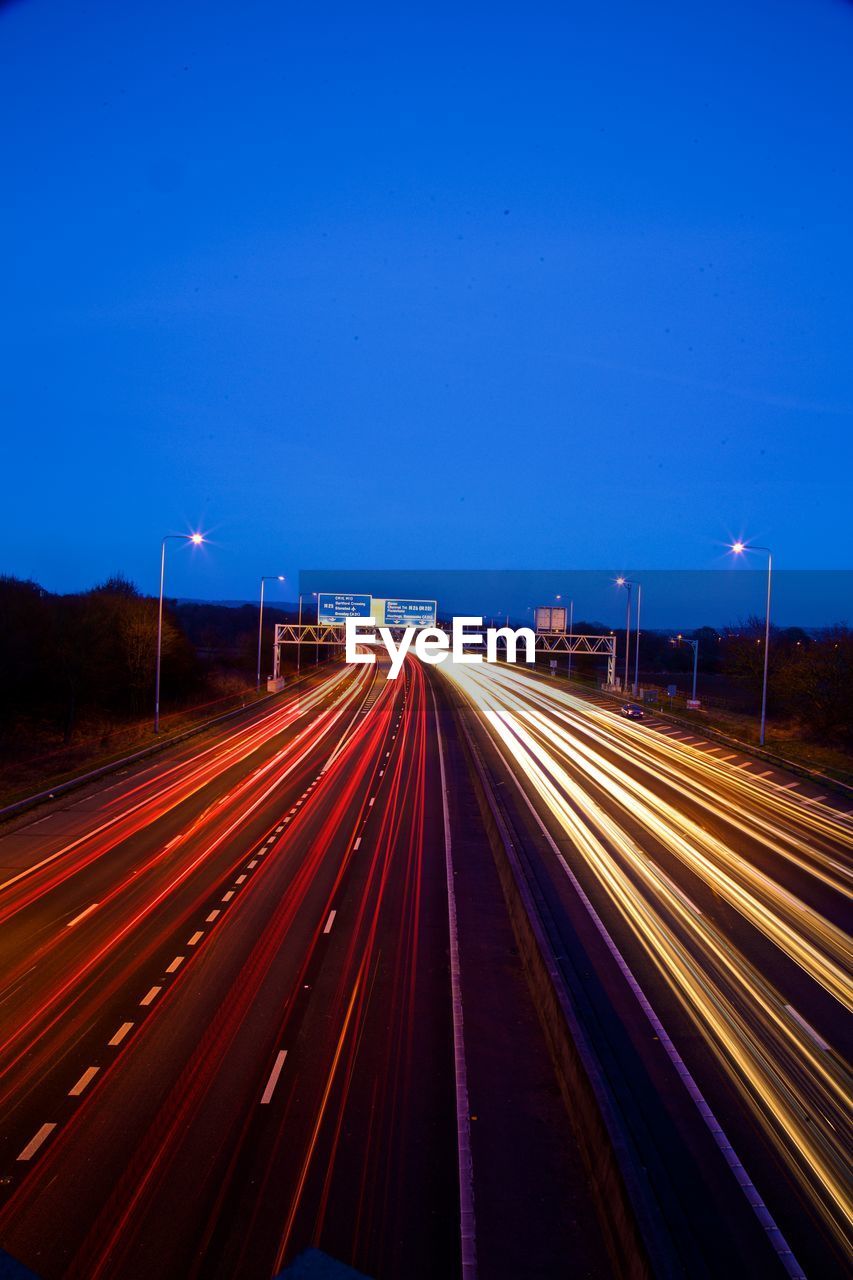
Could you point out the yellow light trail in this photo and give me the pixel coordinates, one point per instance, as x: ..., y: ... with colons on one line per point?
x: 562, y: 749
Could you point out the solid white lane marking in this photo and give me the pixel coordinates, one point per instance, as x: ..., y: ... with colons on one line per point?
x: 86, y: 1079
x: 226, y: 897
x: 759, y: 1208
x: 468, y: 1231
x: 199, y: 933
x: 357, y: 843
x: 81, y: 916
x: 120, y: 1034
x: 808, y: 1028
x: 176, y: 964
x: 214, y: 913
x: 274, y: 1075
x: 34, y: 1143
x: 240, y: 879
x: 327, y: 928
x: 152, y: 995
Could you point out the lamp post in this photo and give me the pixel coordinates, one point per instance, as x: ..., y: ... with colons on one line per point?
x: 624, y: 582
x: 739, y: 548
x: 695, y: 645
x: 267, y: 577
x: 571, y: 626
x: 196, y: 539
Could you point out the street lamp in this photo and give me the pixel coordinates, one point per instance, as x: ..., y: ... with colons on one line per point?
x: 695, y: 643
x: 739, y: 548
x: 299, y: 642
x: 622, y: 581
x: 196, y: 539
x: 267, y: 577
x: 571, y: 626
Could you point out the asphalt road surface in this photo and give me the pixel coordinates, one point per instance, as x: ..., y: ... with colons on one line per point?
x: 263, y: 993
x: 708, y: 897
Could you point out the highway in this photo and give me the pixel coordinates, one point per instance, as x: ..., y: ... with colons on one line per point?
x: 263, y: 992
x: 713, y: 901
x: 191, y: 972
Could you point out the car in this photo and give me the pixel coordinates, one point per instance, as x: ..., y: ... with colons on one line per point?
x: 632, y: 711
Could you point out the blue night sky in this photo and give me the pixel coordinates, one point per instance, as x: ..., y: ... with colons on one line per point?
x: 424, y: 285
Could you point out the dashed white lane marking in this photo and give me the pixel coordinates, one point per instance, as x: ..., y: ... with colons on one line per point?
x: 733, y: 756
x: 86, y: 1079
x: 789, y: 785
x: 81, y: 916
x: 327, y: 928
x: 281, y: 828
x: 274, y: 1075
x: 34, y: 1143
x: 226, y: 897
x: 387, y: 754
x: 371, y: 802
x: 381, y: 771
x: 199, y: 933
x: 240, y: 879
x: 814, y: 799
x: 120, y: 1034
x: 176, y: 964
x: 357, y: 843
x: 252, y: 864
x: 765, y: 773
x: 713, y: 750
x: 210, y: 919
x: 808, y: 1028
x: 151, y: 996
x: 745, y: 764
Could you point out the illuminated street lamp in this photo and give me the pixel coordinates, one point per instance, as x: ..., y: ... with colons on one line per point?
x: 622, y: 581
x: 739, y: 548
x: 267, y: 577
x: 695, y: 645
x: 196, y: 539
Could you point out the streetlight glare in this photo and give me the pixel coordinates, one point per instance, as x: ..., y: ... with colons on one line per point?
x: 620, y: 582
x: 196, y: 538
x: 738, y: 548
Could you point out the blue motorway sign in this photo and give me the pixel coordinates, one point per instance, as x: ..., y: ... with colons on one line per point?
x: 335, y: 607
x: 410, y: 613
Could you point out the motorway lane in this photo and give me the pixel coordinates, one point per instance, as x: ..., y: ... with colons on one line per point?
x: 190, y: 1145
x: 727, y: 895
x: 112, y: 905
